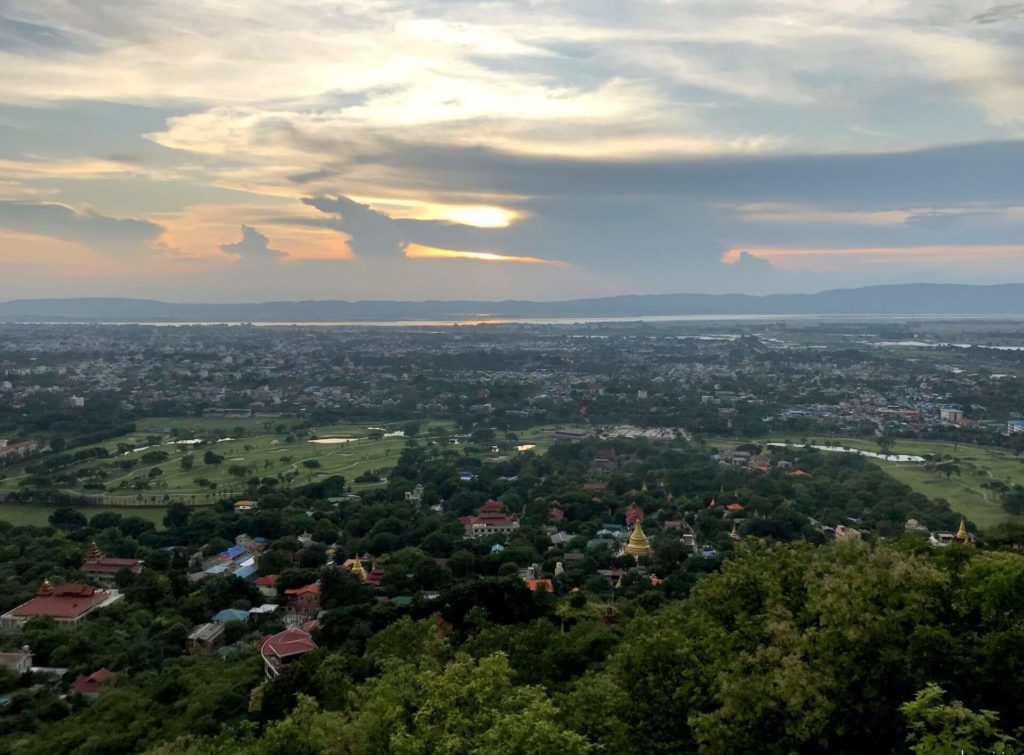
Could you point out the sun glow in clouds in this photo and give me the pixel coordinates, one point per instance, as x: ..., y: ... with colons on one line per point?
x: 480, y: 216
x: 419, y: 252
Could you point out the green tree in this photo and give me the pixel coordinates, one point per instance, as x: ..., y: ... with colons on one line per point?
x: 937, y: 727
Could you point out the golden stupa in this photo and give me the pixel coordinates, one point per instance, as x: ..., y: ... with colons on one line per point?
x: 638, y: 545
x: 358, y: 570
x: 961, y: 534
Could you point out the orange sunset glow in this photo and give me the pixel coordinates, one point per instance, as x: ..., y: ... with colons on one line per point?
x: 418, y: 251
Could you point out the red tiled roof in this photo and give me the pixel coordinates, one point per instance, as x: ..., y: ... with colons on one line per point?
x: 311, y: 589
x: 268, y: 580
x: 634, y: 514
x: 287, y: 643
x: 110, y: 565
x: 734, y: 507
x: 540, y: 585
x: 86, y: 685
x: 63, y: 602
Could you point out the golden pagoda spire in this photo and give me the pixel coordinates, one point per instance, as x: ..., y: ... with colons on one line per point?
x: 358, y: 570
x: 638, y: 544
x: 961, y: 534
x: 735, y: 535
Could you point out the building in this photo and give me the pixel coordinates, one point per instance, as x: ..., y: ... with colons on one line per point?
x: 952, y: 415
x: 304, y: 600
x: 634, y: 514
x: 18, y: 661
x: 267, y: 585
x: 230, y: 614
x: 206, y: 638
x: 844, y: 533
x: 1015, y: 426
x: 241, y: 506
x: 491, y: 519
x: 90, y: 686
x: 278, y: 650
x: 100, y: 568
x: 10, y: 452
x: 375, y: 576
x: 67, y: 604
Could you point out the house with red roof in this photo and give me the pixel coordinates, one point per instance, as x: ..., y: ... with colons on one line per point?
x: 540, y: 585
x: 91, y: 686
x: 267, y: 585
x: 67, y: 604
x: 734, y: 507
x: 375, y: 576
x: 278, y: 650
x: 304, y: 600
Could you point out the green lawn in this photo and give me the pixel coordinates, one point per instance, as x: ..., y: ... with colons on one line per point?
x: 38, y: 515
x: 262, y: 451
x: 963, y: 491
x: 264, y: 454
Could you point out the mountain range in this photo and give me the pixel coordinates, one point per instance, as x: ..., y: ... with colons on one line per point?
x: 904, y: 299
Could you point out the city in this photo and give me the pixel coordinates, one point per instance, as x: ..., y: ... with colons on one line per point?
x: 281, y: 501
x: 511, y: 377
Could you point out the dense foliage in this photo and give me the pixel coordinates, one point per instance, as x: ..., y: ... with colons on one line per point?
x: 780, y: 641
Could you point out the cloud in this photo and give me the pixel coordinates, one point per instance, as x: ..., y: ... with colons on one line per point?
x: 109, y: 235
x: 372, y: 232
x: 997, y: 13
x: 254, y: 247
x: 916, y: 255
x: 635, y: 142
x: 28, y: 38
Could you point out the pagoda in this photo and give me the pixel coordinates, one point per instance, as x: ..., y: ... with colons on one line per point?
x: 638, y: 545
x: 358, y: 570
x: 961, y: 533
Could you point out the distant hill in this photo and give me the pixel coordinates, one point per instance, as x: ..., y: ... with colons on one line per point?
x: 909, y: 299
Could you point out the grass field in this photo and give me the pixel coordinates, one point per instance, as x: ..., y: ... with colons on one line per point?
x: 37, y: 516
x: 349, y: 450
x: 964, y: 492
x: 265, y: 450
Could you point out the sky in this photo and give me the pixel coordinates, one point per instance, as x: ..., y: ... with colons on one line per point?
x: 230, y: 150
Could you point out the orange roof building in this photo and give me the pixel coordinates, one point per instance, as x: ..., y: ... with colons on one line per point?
x: 305, y: 599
